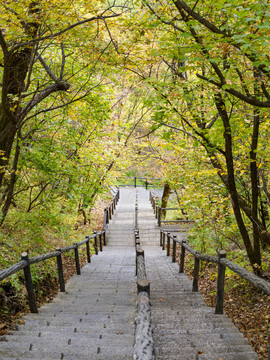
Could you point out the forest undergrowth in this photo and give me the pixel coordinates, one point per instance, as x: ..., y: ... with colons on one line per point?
x: 13, y: 296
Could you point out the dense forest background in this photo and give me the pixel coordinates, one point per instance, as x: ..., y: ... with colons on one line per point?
x: 91, y: 91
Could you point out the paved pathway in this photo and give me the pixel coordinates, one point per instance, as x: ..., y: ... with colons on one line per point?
x: 94, y: 319
x: 121, y: 227
x: 184, y: 327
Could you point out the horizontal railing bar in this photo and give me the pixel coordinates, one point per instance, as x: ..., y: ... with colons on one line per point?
x: 243, y: 273
x: 12, y: 269
x: 247, y: 275
x: 170, y: 208
x: 167, y: 221
x: 37, y: 259
x: 174, y: 230
x: 68, y: 248
x: 83, y: 241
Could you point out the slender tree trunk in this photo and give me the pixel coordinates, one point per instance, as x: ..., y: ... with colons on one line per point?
x: 165, y: 198
x: 8, y: 195
x: 254, y: 186
x: 7, y: 136
x: 221, y: 107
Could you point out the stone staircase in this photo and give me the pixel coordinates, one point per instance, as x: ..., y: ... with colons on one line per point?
x: 94, y: 319
x: 184, y: 327
x: 148, y: 228
x: 120, y: 230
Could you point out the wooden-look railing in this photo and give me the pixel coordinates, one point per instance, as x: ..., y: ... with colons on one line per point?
x: 158, y: 211
x: 99, y: 239
x: 137, y: 181
x: 144, y: 343
x: 109, y: 210
x: 221, y: 260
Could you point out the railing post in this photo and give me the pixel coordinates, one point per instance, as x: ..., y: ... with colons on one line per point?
x: 174, y: 249
x: 88, y: 250
x: 163, y: 240
x: 146, y: 183
x: 195, y: 285
x: 29, y: 284
x: 161, y: 235
x: 143, y: 286
x: 159, y: 216
x: 95, y: 243
x: 77, y: 260
x: 104, y: 237
x: 112, y: 206
x: 220, y: 284
x: 60, y: 270
x: 110, y: 212
x: 182, y: 257
x: 135, y: 182
x: 156, y: 209
x: 100, y: 242
x: 107, y: 215
x: 168, y: 244
x: 136, y: 217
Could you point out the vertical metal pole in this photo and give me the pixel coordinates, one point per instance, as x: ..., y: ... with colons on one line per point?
x: 135, y: 182
x: 104, y: 236
x: 60, y: 271
x: 220, y: 284
x: 77, y: 260
x: 182, y: 257
x: 95, y: 242
x: 159, y: 216
x: 107, y: 216
x: 110, y: 212
x: 88, y: 250
x: 163, y: 240
x: 100, y: 242
x: 29, y: 284
x: 174, y: 249
x: 168, y: 244
x: 195, y: 285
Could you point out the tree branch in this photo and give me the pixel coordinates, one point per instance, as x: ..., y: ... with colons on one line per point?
x: 61, y: 32
x: 248, y: 99
x: 58, y: 86
x: 164, y: 21
x: 46, y: 67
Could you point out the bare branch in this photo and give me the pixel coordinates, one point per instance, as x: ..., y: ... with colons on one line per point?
x: 110, y: 35
x: 47, y: 68
x: 52, y: 36
x: 164, y: 21
x: 58, y: 86
x: 248, y: 99
x: 63, y: 62
x: 62, y: 105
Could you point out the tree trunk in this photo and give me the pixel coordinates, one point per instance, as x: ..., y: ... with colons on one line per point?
x: 221, y: 107
x: 165, y: 198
